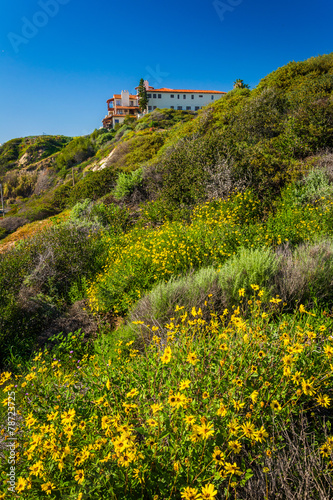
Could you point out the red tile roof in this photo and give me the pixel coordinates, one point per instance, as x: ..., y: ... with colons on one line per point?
x: 126, y: 107
x: 118, y: 96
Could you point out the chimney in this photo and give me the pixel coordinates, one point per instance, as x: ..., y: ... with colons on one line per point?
x: 125, y: 98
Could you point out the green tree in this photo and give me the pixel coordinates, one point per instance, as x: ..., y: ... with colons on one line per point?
x: 239, y: 84
x: 142, y: 93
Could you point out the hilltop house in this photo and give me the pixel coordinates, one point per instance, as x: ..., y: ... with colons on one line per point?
x: 124, y: 104
x: 120, y: 106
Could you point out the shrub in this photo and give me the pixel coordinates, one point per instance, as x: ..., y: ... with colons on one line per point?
x: 184, y: 169
x: 19, y: 184
x: 60, y: 196
x: 36, y: 282
x: 261, y: 118
x: 96, y: 215
x: 126, y: 183
x: 116, y: 219
x: 306, y: 275
x: 93, y: 186
x: 313, y: 187
x: 156, y: 307
x: 77, y: 151
x: 143, y: 148
x: 38, y: 211
x: 223, y: 285
x: 247, y: 267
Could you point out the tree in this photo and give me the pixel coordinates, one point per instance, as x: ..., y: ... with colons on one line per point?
x: 239, y: 84
x: 142, y: 93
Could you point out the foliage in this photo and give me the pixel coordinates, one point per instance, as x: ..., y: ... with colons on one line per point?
x: 163, y: 119
x: 201, y: 411
x: 127, y: 182
x: 33, y: 148
x: 93, y: 185
x: 239, y: 84
x: 77, y: 151
x: 110, y: 216
x: 142, y: 93
x: 313, y: 188
x: 142, y: 149
x: 36, y: 280
x: 218, y: 229
x: 225, y: 271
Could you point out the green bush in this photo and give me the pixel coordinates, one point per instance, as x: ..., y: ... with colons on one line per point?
x: 77, y: 151
x: 104, y: 139
x: 184, y: 169
x: 93, y: 186
x: 36, y: 282
x: 248, y: 267
x: 313, y: 188
x: 163, y: 301
x: 143, y: 148
x: 38, y: 211
x: 127, y: 182
x: 60, y: 196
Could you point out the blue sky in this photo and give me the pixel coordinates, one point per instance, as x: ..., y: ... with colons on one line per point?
x: 60, y: 60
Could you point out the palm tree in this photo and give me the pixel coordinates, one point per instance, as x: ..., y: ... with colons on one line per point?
x: 239, y: 84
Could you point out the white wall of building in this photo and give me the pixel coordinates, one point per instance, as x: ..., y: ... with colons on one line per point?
x: 125, y: 98
x: 184, y: 101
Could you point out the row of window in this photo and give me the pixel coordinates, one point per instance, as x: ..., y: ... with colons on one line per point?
x: 159, y: 96
x: 180, y: 108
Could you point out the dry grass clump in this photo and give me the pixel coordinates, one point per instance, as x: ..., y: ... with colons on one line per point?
x: 296, y: 472
x: 11, y: 224
x: 306, y: 275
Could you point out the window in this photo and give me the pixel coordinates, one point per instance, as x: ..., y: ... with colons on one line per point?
x: 212, y: 98
x: 154, y: 96
x: 155, y: 107
x: 200, y: 95
x: 118, y: 103
x: 172, y: 107
x: 192, y: 96
x: 150, y: 108
x: 178, y: 96
x: 184, y: 96
x: 188, y: 108
x: 179, y: 107
x: 197, y: 108
x: 149, y: 96
x: 116, y: 121
x: 159, y: 96
x: 172, y: 96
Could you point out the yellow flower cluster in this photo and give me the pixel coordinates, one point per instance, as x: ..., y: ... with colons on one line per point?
x: 184, y: 409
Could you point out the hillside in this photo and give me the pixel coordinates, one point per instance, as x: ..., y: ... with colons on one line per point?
x: 166, y: 300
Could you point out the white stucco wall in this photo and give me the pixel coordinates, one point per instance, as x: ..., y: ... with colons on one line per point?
x: 185, y: 100
x: 119, y: 118
x: 125, y: 98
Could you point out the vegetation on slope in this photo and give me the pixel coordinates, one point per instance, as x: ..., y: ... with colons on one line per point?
x: 213, y: 234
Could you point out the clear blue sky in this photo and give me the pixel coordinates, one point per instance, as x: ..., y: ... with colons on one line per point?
x: 60, y: 63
